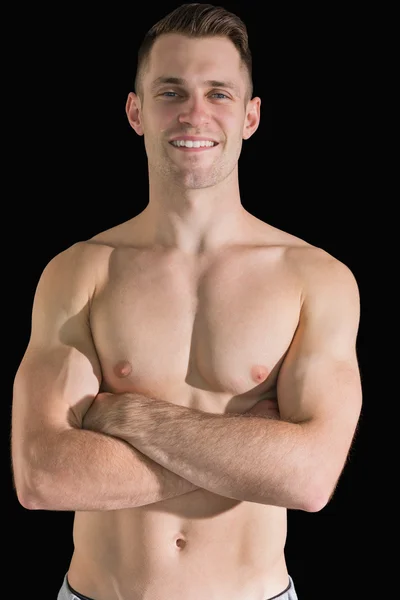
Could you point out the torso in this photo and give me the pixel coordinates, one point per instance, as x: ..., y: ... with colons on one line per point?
x: 208, y: 333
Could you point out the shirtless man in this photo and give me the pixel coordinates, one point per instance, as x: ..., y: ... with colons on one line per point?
x: 191, y: 373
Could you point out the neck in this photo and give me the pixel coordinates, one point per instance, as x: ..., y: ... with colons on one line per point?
x: 194, y: 220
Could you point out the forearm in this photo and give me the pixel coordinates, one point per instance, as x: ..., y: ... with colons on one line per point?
x: 80, y: 470
x: 247, y: 458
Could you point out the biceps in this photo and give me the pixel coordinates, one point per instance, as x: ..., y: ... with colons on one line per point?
x: 319, y: 387
x: 54, y: 389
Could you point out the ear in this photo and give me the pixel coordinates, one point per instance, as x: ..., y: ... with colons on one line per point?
x: 252, y: 118
x: 133, y: 112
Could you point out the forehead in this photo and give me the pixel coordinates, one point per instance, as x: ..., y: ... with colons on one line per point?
x: 208, y: 58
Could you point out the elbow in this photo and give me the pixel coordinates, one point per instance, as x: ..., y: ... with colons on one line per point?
x: 34, y: 481
x: 317, y: 497
x: 29, y: 487
x: 29, y: 493
x: 27, y: 499
x: 315, y: 503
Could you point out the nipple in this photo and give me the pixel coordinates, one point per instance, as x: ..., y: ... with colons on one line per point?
x: 259, y: 373
x: 123, y: 368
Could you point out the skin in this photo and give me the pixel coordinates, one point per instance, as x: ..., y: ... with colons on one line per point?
x: 191, y: 373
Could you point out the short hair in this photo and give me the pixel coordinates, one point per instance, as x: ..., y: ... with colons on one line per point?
x: 197, y: 20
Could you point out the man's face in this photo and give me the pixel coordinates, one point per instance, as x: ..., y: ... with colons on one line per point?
x: 194, y: 92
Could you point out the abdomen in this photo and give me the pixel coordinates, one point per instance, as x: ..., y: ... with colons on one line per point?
x: 192, y: 538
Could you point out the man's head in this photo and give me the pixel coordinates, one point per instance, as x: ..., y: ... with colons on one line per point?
x: 198, y: 21
x: 194, y: 86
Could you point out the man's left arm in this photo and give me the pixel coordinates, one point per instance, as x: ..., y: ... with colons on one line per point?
x: 294, y: 462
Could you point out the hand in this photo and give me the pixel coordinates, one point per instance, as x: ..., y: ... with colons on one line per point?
x: 115, y: 414
x: 96, y: 416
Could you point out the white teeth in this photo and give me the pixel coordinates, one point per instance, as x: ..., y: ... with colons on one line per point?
x: 192, y: 144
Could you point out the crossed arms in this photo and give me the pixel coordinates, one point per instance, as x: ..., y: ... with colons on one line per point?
x: 110, y: 451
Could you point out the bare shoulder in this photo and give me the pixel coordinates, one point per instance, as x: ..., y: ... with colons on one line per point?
x: 78, y: 260
x: 70, y: 278
x: 76, y: 272
x: 330, y: 296
x: 312, y: 263
x: 87, y: 256
x: 319, y: 273
x: 318, y: 270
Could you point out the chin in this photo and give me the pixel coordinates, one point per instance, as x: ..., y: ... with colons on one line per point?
x: 195, y: 182
x: 198, y: 178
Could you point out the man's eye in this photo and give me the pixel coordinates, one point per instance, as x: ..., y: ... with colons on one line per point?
x: 218, y: 95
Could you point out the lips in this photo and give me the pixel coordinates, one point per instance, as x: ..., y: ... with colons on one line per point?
x: 189, y: 145
x: 191, y: 138
x: 192, y: 144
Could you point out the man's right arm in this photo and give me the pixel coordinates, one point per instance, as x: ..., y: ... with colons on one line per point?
x: 56, y: 464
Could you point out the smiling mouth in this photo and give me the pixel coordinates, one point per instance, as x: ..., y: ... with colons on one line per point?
x: 193, y: 145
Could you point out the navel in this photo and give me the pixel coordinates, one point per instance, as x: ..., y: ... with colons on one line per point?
x: 123, y: 368
x: 180, y: 543
x: 259, y: 373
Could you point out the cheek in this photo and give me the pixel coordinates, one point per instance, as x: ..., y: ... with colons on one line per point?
x: 154, y: 119
x: 162, y: 116
x: 231, y: 121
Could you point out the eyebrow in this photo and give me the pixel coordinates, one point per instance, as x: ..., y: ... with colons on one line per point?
x: 209, y: 83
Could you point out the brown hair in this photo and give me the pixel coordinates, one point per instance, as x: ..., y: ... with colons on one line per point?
x: 198, y: 20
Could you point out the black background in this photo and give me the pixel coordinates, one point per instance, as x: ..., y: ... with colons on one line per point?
x: 77, y: 168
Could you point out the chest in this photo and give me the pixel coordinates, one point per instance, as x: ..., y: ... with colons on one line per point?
x: 158, y: 324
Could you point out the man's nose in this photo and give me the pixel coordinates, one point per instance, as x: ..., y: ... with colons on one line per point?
x: 194, y: 113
